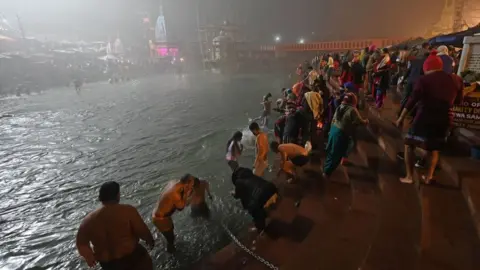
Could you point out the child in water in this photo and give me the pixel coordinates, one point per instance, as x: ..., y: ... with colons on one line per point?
x: 267, y: 109
x: 234, y: 147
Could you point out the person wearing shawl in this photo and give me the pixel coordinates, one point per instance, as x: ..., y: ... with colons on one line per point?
x: 345, y: 121
x: 434, y: 96
x: 381, y: 78
x: 448, y: 62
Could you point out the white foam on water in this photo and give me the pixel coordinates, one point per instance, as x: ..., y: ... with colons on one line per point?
x: 248, y: 139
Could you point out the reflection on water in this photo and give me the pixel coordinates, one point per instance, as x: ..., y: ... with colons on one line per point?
x: 59, y: 147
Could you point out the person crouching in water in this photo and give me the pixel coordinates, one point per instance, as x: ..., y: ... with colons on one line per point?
x: 345, y: 121
x: 256, y: 194
x: 175, y: 196
x: 290, y: 155
x: 234, y: 147
x: 113, y: 231
x: 198, y: 205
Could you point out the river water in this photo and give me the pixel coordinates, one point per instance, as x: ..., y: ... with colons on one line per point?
x: 59, y: 147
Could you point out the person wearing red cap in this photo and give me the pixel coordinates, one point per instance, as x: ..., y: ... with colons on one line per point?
x: 434, y: 96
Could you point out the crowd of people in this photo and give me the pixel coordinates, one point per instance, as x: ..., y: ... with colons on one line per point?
x: 324, y: 102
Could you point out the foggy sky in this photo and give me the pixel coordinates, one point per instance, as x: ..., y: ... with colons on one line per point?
x: 262, y: 19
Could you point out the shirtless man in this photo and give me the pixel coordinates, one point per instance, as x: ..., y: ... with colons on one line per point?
x: 198, y: 205
x: 267, y: 110
x: 261, y: 149
x: 289, y: 152
x: 175, y: 196
x: 114, y: 230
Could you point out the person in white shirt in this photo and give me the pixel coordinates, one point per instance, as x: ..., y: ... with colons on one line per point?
x: 234, y: 148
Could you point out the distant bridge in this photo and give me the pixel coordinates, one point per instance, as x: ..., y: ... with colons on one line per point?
x: 333, y: 45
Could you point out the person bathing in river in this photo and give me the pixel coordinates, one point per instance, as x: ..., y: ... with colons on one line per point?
x: 256, y: 194
x: 198, y: 205
x: 267, y: 110
x: 175, y: 196
x: 345, y: 121
x: 113, y: 231
x: 261, y: 149
x: 234, y: 147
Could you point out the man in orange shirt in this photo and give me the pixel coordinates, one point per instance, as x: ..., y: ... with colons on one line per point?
x: 114, y: 230
x: 175, y: 196
x: 290, y: 152
x: 261, y: 149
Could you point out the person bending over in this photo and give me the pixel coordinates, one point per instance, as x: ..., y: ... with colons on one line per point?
x: 256, y: 194
x: 198, y: 204
x: 175, y: 196
x: 290, y: 152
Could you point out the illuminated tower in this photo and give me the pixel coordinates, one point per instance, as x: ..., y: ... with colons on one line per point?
x: 458, y: 20
x: 457, y: 15
x: 160, y: 26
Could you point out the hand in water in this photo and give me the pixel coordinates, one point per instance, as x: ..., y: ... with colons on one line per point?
x: 151, y: 245
x: 91, y: 262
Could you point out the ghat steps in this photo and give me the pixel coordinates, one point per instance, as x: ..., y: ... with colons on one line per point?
x: 364, y: 218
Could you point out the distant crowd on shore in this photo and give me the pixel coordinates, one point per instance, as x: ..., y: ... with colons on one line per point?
x: 21, y: 74
x: 324, y: 103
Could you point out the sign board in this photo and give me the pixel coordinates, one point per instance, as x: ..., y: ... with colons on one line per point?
x: 468, y: 114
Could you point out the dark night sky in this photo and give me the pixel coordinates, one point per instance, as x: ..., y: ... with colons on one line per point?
x: 329, y: 19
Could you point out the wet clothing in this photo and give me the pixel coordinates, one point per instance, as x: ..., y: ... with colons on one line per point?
x: 200, y: 210
x: 198, y: 206
x: 114, y: 231
x: 254, y: 193
x: 434, y: 96
x: 139, y: 259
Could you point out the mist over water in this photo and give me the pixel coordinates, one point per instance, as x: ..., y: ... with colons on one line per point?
x: 59, y: 147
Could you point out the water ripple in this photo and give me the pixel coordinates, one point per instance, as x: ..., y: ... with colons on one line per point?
x: 59, y: 147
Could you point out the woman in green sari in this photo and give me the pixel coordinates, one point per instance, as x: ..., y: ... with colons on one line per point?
x: 345, y: 120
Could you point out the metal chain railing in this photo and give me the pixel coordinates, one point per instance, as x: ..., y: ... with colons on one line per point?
x: 247, y: 250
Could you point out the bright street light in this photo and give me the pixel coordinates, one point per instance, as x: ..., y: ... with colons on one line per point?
x: 278, y: 38
x: 301, y: 41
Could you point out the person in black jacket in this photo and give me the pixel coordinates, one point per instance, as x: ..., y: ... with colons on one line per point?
x: 255, y: 193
